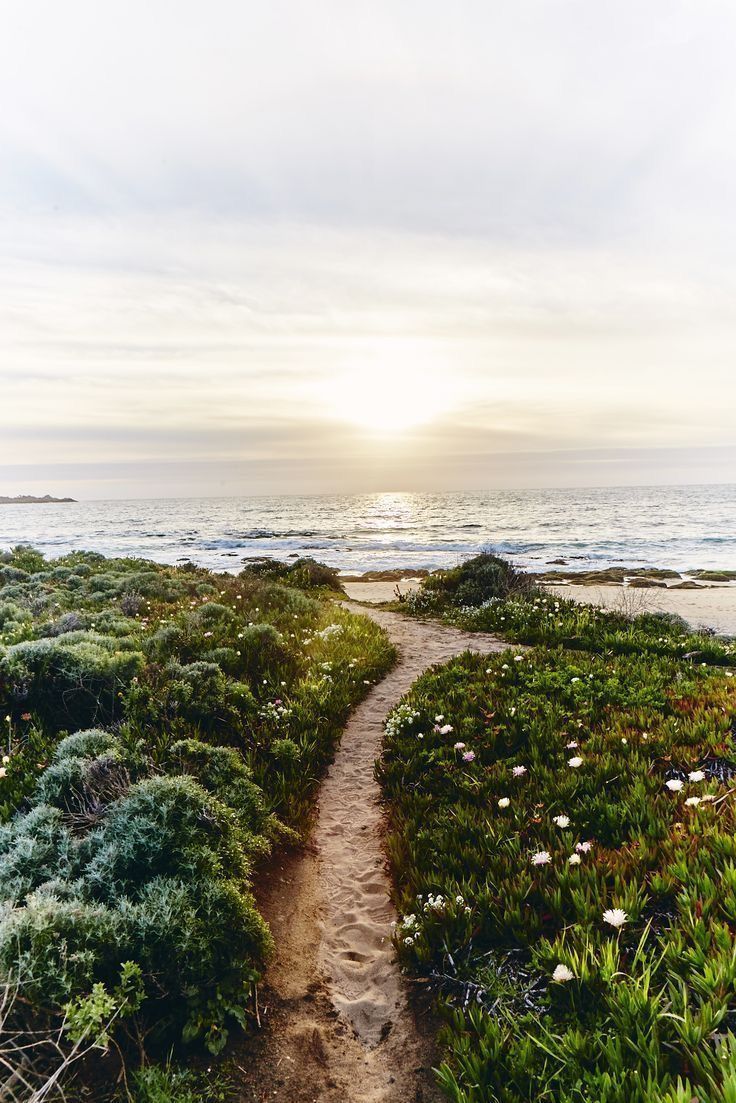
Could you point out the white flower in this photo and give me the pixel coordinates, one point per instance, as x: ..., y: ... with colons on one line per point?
x: 445, y: 729
x: 562, y: 974
x: 693, y: 801
x: 674, y: 785
x: 571, y: 745
x: 3, y: 771
x: 504, y: 802
x: 696, y: 775
x: 574, y: 860
x: 562, y: 821
x: 440, y: 718
x: 574, y: 680
x: 518, y: 658
x: 519, y: 771
x: 541, y: 858
x: 575, y: 762
x: 616, y: 917
x: 459, y: 747
x: 583, y: 848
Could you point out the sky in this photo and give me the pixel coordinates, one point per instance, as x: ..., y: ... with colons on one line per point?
x: 361, y: 246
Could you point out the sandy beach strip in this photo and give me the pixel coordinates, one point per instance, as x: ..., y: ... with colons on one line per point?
x: 711, y: 607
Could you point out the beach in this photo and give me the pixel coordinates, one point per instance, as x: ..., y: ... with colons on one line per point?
x: 712, y: 607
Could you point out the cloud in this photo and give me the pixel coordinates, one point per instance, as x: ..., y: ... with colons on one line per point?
x: 208, y: 218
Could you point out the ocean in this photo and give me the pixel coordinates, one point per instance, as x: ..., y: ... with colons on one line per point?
x: 679, y: 527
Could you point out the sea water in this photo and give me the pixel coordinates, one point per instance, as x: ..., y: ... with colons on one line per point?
x: 679, y: 527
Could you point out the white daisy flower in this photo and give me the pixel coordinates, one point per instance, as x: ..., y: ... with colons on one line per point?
x: 574, y: 860
x: 674, y: 784
x: 615, y: 917
x: 519, y: 771
x: 575, y: 762
x: 696, y: 775
x: 504, y: 802
x: 562, y: 974
x: 562, y: 821
x: 541, y: 858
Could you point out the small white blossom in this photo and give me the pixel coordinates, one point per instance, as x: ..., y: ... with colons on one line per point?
x: 696, y: 775
x: 575, y: 762
x: 583, y: 848
x: 519, y: 771
x: 504, y: 802
x: 692, y: 802
x: 541, y: 858
x: 574, y: 860
x: 615, y: 917
x: 562, y: 821
x: 562, y: 974
x: 674, y: 784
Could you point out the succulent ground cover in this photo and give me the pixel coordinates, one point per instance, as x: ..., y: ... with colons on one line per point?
x: 161, y: 728
x: 562, y: 835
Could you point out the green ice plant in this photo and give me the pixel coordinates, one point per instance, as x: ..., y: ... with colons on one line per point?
x: 562, y: 838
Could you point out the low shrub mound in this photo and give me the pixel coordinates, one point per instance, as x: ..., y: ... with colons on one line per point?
x: 562, y: 834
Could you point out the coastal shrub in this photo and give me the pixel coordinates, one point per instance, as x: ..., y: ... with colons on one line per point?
x: 155, y: 871
x: 73, y: 680
x: 67, y: 622
x: 562, y: 831
x: 476, y: 580
x: 304, y: 573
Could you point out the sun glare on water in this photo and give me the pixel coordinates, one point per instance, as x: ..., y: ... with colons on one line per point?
x: 388, y: 399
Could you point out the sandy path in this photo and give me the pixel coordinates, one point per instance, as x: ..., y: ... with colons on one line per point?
x: 341, y: 1028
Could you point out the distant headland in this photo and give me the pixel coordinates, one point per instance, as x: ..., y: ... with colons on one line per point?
x: 31, y: 500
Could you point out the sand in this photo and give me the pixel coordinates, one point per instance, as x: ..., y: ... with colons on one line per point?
x: 341, y: 1025
x: 711, y: 607
x: 377, y: 592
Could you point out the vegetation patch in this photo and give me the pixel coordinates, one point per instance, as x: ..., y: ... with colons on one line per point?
x: 486, y: 594
x: 562, y: 838
x: 162, y: 728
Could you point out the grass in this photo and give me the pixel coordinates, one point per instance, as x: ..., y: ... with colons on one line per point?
x: 163, y: 729
x: 562, y: 825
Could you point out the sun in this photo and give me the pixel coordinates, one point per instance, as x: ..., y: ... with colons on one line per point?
x: 390, y: 396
